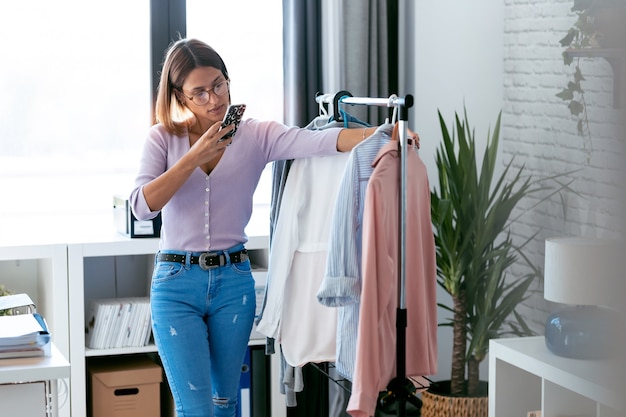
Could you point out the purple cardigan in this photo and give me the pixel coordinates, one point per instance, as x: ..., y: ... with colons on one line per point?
x: 210, y: 212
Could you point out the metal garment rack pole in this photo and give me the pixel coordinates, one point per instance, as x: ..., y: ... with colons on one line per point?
x: 399, y: 389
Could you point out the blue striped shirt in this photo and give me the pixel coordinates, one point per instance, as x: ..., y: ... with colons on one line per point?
x: 342, y: 281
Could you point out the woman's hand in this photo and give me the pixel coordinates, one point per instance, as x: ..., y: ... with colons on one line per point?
x: 410, y: 136
x: 204, y: 153
x: 211, y: 144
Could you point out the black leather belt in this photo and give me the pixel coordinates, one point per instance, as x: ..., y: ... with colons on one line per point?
x: 206, y: 260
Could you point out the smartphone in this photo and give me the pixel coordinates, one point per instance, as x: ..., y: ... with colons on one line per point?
x: 233, y: 116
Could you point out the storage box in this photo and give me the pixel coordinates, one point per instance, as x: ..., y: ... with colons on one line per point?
x: 125, y: 387
x: 127, y: 224
x: 26, y: 400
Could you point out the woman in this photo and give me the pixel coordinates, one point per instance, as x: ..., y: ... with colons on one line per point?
x: 202, y: 293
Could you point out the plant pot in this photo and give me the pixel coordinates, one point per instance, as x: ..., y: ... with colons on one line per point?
x: 610, y: 26
x: 437, y: 402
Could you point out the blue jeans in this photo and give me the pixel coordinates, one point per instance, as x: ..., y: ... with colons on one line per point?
x: 202, y: 321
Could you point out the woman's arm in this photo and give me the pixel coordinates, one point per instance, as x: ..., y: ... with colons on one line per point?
x: 349, y: 138
x: 206, y: 149
x: 160, y: 190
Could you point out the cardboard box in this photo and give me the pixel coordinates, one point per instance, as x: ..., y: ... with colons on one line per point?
x: 125, y: 387
x: 127, y: 224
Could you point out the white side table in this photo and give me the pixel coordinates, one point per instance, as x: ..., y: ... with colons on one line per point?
x: 525, y: 376
x: 21, y: 377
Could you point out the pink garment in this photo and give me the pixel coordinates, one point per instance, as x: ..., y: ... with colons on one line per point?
x: 375, y: 364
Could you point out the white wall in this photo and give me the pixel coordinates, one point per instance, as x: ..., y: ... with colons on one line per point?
x: 492, y: 55
x: 457, y: 61
x: 539, y: 128
x: 458, y: 58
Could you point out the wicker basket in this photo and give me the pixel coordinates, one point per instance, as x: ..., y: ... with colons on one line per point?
x: 441, y: 405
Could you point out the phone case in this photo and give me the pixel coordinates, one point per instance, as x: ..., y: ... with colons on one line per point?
x: 233, y: 116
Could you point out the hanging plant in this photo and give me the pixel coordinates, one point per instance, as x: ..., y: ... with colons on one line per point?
x: 599, y: 24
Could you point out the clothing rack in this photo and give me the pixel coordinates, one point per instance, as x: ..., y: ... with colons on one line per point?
x: 399, y: 389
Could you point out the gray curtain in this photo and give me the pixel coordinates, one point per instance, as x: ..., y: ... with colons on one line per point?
x: 369, y: 68
x: 302, y: 43
x: 302, y: 81
x: 369, y: 56
x: 370, y: 53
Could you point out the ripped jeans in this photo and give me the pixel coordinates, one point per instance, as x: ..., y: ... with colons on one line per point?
x: 202, y: 321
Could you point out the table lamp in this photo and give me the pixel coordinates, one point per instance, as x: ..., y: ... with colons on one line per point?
x: 588, y: 275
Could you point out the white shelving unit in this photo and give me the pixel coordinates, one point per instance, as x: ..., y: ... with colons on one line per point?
x: 525, y: 376
x: 107, y: 270
x: 92, y: 272
x: 41, y: 272
x: 62, y: 263
x: 21, y: 378
x: 33, y: 369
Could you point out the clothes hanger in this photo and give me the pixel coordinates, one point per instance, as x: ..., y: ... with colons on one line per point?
x: 322, y: 118
x: 394, y: 116
x: 322, y: 109
x: 343, y: 116
x: 338, y: 96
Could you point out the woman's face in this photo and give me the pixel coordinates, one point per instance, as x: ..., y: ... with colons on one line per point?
x: 200, y: 82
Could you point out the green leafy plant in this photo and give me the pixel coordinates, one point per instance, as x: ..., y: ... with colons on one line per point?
x: 599, y: 24
x: 3, y: 292
x: 471, y: 215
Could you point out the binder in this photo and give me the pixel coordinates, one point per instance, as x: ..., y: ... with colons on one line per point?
x: 118, y: 322
x: 244, y: 399
x: 23, y: 332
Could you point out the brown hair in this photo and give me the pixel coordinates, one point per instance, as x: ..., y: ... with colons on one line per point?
x: 181, y: 58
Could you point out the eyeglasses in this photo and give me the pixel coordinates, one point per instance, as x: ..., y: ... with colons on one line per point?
x: 204, y: 96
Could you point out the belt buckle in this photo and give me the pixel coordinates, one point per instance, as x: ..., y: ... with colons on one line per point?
x: 203, y: 260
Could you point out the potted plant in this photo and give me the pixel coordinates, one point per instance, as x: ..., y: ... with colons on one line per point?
x: 3, y: 292
x: 599, y: 26
x: 471, y: 216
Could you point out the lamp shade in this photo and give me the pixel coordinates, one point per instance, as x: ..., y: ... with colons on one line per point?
x: 587, y: 274
x: 584, y: 271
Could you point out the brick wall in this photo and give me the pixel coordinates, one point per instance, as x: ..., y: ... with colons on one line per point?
x: 539, y: 130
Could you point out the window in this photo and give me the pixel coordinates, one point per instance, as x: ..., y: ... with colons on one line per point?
x: 75, y: 102
x: 76, y: 93
x: 248, y: 36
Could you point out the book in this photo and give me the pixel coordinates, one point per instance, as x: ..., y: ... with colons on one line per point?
x: 122, y: 329
x: 118, y: 322
x: 104, y: 317
x: 147, y: 326
x: 113, y: 324
x: 141, y: 324
x: 127, y: 339
x: 26, y: 352
x: 24, y: 335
